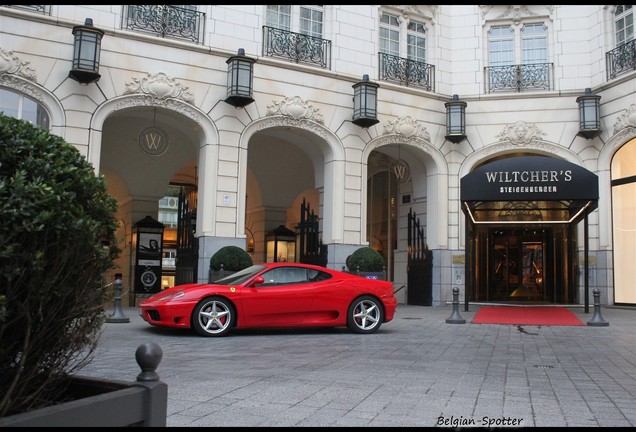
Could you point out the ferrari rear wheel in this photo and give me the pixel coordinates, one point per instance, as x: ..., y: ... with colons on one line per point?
x: 213, y: 316
x: 365, y: 315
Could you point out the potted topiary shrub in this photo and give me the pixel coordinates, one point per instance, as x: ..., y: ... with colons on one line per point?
x: 228, y: 260
x: 366, y: 262
x: 57, y: 240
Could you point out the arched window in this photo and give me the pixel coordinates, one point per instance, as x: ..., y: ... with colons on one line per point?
x: 624, y: 222
x: 17, y: 105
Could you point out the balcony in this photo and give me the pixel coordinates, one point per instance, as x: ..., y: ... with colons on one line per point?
x: 409, y: 73
x: 519, y: 78
x: 621, y: 60
x: 166, y: 21
x: 296, y: 47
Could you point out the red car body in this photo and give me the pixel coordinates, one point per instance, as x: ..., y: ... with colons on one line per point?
x: 275, y: 295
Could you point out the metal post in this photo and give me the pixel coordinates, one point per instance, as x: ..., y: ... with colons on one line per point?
x: 455, y: 317
x: 118, y: 316
x: 597, y: 320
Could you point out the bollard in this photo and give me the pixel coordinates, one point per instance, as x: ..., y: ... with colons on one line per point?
x: 118, y: 316
x: 597, y: 320
x: 455, y: 317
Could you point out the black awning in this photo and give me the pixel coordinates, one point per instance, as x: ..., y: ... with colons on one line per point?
x: 529, y: 178
x: 562, y: 191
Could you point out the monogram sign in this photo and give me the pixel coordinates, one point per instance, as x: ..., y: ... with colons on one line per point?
x: 401, y: 171
x: 153, y: 141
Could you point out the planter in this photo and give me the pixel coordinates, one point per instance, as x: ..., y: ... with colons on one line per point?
x: 100, y: 403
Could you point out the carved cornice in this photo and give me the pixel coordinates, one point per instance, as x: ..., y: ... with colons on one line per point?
x: 11, y: 64
x: 407, y: 128
x: 21, y: 86
x: 152, y: 101
x: 521, y: 133
x: 626, y: 120
x: 296, y: 109
x: 279, y: 121
x: 160, y: 86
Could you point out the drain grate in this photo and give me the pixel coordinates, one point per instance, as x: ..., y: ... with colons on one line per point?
x: 544, y: 366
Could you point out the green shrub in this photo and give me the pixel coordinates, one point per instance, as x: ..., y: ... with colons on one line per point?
x: 365, y: 259
x: 56, y: 218
x: 233, y: 258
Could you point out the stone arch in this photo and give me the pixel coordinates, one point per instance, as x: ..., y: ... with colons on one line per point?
x: 332, y: 172
x: 411, y: 134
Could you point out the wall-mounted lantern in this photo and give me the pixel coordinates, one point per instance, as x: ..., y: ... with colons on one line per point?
x: 455, y: 120
x: 280, y: 245
x: 365, y: 103
x: 240, y: 76
x: 589, y: 115
x: 86, y: 52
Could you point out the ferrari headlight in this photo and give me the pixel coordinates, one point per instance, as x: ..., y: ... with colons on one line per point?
x: 172, y: 296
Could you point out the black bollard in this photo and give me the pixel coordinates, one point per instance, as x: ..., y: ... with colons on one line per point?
x: 597, y: 319
x: 118, y: 316
x: 148, y: 357
x: 455, y: 317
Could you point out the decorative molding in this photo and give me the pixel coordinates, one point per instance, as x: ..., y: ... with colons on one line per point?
x: 22, y: 86
x: 407, y: 128
x: 280, y: 121
x: 507, y: 147
x: 420, y: 143
x: 296, y: 109
x: 151, y: 101
x: 159, y: 86
x: 11, y: 64
x: 626, y: 120
x: 521, y: 133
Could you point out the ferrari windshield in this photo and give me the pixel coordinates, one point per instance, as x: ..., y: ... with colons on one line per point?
x: 240, y: 276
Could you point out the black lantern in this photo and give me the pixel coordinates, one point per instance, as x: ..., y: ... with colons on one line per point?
x: 589, y: 115
x: 280, y: 245
x: 365, y: 103
x: 240, y: 74
x: 455, y: 120
x: 86, y: 50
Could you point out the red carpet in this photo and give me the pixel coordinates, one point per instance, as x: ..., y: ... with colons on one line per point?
x: 526, y: 315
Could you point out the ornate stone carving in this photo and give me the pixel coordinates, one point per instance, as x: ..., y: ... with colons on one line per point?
x: 521, y: 133
x: 295, y: 108
x: 407, y: 128
x: 11, y: 64
x: 21, y: 86
x: 625, y: 120
x: 288, y: 121
x: 160, y: 86
x: 151, y: 101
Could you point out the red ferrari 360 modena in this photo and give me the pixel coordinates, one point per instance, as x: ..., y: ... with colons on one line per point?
x: 274, y: 295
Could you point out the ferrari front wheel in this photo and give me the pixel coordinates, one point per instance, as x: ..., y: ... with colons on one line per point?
x: 365, y: 315
x: 213, y: 316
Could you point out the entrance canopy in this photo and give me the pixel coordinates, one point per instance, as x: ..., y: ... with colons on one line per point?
x: 530, y: 189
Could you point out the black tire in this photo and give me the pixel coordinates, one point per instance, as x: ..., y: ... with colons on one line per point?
x: 365, y: 315
x: 213, y: 316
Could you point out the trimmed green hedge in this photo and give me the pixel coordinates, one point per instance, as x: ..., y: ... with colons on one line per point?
x: 233, y: 258
x: 365, y: 259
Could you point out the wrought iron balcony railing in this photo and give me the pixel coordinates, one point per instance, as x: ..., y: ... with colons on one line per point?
x: 519, y: 78
x: 296, y: 47
x: 165, y: 21
x: 621, y: 59
x: 409, y: 73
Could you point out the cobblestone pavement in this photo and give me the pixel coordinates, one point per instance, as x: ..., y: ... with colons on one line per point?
x: 418, y: 370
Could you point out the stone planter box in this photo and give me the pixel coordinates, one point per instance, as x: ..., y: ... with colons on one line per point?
x: 106, y: 403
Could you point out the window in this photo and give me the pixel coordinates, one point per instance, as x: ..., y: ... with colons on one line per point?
x: 307, y: 20
x: 311, y: 21
x: 623, y: 24
x: 279, y: 16
x: 390, y: 34
x: 518, y: 58
x: 22, y: 107
x: 416, y: 41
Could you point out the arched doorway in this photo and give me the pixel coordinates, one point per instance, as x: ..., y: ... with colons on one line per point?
x: 521, y: 214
